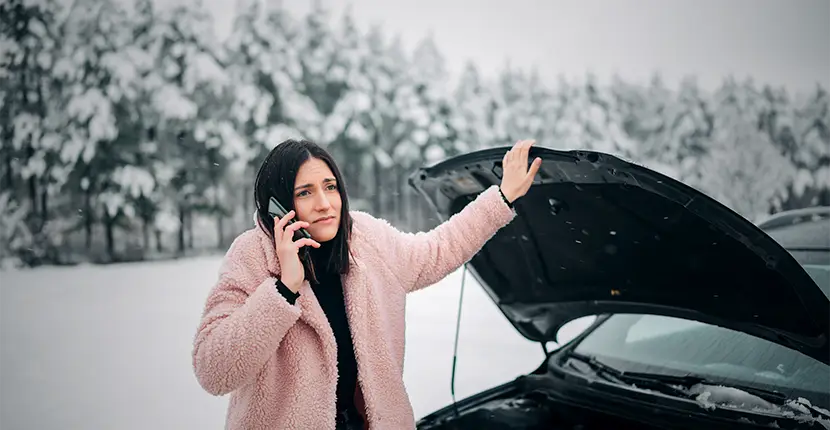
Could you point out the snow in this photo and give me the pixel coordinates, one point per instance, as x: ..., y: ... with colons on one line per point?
x: 234, y: 146
x: 711, y: 397
x: 272, y: 136
x: 167, y: 221
x: 205, y: 69
x: 172, y: 104
x: 383, y: 158
x: 13, y: 230
x: 434, y: 153
x: 136, y: 181
x: 112, y: 202
x: 356, y: 131
x: 109, y: 346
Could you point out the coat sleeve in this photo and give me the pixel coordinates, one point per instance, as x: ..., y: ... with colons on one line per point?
x: 239, y: 330
x: 425, y: 258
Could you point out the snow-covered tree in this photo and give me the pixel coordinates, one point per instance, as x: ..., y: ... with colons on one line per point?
x: 475, y: 104
x: 807, y: 132
x: 427, y: 105
x: 29, y: 128
x: 127, y: 127
x: 584, y: 115
x: 195, y: 135
x: 742, y: 168
x: 673, y: 129
x: 376, y: 128
x: 100, y: 69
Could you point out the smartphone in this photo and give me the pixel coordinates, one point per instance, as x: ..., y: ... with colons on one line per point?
x: 275, y: 209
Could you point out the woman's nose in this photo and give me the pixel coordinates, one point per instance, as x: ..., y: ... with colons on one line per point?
x: 323, y: 202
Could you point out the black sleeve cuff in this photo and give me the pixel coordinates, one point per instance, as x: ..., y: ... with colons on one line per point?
x: 510, y: 205
x: 289, y: 295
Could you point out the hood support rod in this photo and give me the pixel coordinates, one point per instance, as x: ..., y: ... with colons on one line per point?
x: 455, y: 346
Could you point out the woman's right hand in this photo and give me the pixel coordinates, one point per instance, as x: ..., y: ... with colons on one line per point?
x: 292, y: 273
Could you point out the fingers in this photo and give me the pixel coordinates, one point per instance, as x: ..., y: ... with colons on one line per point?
x: 509, y: 154
x: 281, y: 222
x: 296, y: 226
x: 523, y: 150
x: 285, y: 234
x: 306, y: 242
x: 288, y: 233
x: 519, y: 153
x: 534, y: 168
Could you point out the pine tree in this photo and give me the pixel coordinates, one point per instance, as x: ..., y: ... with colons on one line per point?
x: 190, y: 100
x: 126, y: 123
x: 741, y: 168
x: 99, y: 67
x: 29, y: 129
x: 475, y: 104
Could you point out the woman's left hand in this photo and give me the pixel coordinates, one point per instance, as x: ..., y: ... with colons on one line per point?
x: 517, y: 177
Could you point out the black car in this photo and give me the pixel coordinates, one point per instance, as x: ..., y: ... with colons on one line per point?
x: 703, y: 319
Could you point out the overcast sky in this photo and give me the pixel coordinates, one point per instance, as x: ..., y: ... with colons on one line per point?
x: 783, y: 42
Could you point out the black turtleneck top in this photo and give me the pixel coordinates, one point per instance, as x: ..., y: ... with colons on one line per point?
x: 329, y: 292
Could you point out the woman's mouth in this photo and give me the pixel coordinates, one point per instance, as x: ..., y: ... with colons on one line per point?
x: 326, y: 220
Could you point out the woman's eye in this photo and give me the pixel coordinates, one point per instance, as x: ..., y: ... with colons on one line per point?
x: 302, y: 193
x: 332, y: 187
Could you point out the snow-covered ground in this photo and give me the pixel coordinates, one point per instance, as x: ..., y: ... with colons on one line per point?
x: 108, y: 347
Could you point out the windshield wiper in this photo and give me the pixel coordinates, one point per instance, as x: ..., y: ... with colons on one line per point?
x: 625, y: 377
x: 673, y: 381
x: 679, y: 384
x: 690, y: 380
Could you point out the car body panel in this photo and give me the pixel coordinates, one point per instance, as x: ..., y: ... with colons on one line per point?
x: 596, y: 234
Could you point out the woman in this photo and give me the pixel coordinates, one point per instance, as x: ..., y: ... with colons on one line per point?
x: 326, y: 354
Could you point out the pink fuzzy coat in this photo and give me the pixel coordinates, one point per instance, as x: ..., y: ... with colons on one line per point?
x: 279, y: 361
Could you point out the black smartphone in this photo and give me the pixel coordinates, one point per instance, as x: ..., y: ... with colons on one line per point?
x: 275, y: 209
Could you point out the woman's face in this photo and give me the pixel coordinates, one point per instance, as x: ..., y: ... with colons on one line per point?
x: 317, y: 199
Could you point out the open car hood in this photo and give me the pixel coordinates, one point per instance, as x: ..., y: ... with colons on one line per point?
x: 596, y: 234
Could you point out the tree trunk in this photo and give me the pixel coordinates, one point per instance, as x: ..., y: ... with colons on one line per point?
x: 32, y: 186
x: 389, y: 180
x: 346, y: 169
x: 88, y: 218
x: 377, y: 199
x: 358, y: 177
x: 145, y: 234
x: 220, y: 231
x: 159, y: 244
x: 44, y: 206
x: 109, y: 223
x: 248, y: 204
x: 400, y: 196
x: 190, y: 229
x: 9, y: 173
x: 181, y: 229
x: 218, y: 208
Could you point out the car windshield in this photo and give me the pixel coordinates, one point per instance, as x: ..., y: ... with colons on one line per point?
x: 673, y: 346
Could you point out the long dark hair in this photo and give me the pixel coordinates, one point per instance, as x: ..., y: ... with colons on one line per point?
x: 276, y: 178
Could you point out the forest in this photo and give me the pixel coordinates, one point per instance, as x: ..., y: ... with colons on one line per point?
x: 130, y: 132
